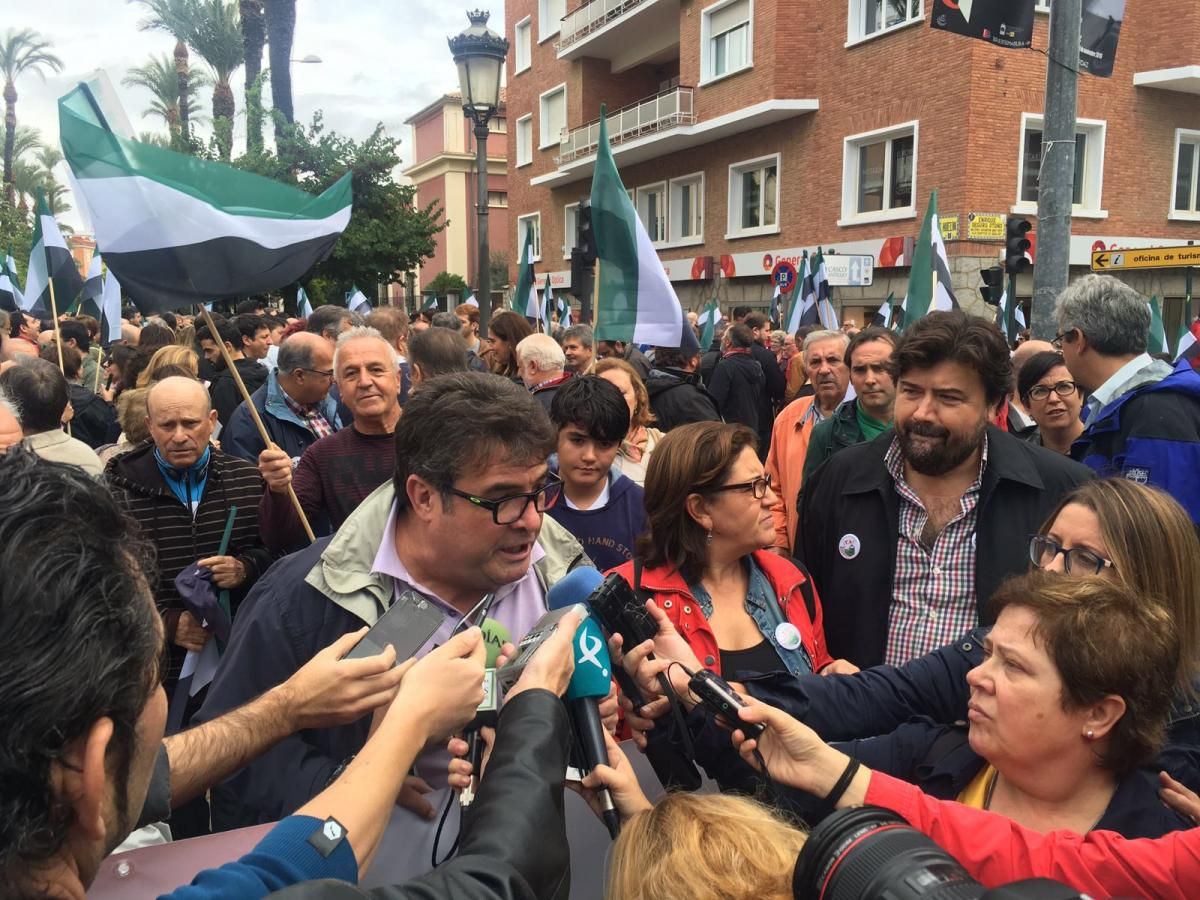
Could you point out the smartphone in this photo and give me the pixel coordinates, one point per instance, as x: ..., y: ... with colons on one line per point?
x: 407, y: 624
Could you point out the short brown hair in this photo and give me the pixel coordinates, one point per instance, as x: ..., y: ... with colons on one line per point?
x: 954, y: 336
x: 72, y: 359
x: 390, y: 322
x: 866, y: 336
x: 754, y: 320
x: 1104, y: 639
x: 690, y: 459
x: 642, y: 414
x: 468, y: 310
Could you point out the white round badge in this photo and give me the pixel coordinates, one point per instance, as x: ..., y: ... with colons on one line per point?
x: 788, y: 636
x: 849, y: 546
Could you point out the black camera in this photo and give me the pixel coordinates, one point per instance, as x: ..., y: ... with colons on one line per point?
x: 870, y: 853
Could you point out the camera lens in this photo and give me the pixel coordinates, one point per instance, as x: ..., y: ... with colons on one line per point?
x: 872, y: 854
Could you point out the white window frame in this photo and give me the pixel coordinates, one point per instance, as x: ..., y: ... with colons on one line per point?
x: 1093, y: 169
x: 706, y: 73
x: 498, y: 125
x: 856, y: 19
x: 736, y: 170
x: 1042, y: 6
x: 643, y: 192
x: 549, y: 25
x: 522, y: 62
x: 850, y: 158
x: 546, y: 141
x: 1190, y: 136
x: 526, y: 158
x: 498, y: 199
x: 674, y: 213
x: 570, y: 220
x: 537, y: 235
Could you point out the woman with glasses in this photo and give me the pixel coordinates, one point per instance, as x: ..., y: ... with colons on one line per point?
x: 1053, y: 399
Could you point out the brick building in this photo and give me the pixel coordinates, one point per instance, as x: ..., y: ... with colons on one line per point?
x: 443, y: 169
x: 748, y: 130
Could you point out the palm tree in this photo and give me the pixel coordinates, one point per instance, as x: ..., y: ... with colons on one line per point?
x: 20, y: 52
x: 254, y: 37
x: 158, y: 76
x: 176, y: 18
x: 27, y: 178
x: 26, y: 140
x: 154, y: 140
x: 217, y: 39
x: 281, y: 28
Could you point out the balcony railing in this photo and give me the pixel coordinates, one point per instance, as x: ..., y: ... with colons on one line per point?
x: 658, y: 113
x: 591, y: 17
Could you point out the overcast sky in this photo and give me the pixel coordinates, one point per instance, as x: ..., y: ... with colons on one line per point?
x: 382, y: 60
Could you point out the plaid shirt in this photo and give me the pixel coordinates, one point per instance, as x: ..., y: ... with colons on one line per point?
x: 933, y: 591
x: 311, y: 414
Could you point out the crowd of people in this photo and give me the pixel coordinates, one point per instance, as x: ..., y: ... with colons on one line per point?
x: 953, y: 579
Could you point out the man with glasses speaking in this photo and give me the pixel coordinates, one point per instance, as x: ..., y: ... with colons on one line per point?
x: 459, y: 527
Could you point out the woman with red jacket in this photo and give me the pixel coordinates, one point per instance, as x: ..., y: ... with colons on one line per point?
x: 741, y: 608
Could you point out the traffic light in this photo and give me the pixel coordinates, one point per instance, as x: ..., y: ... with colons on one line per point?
x: 1015, y: 245
x: 993, y: 284
x: 583, y: 255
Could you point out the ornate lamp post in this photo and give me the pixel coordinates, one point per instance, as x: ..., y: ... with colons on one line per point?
x: 479, y: 54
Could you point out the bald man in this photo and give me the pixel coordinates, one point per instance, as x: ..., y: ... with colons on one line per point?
x: 181, y: 489
x: 293, y: 403
x: 1020, y: 422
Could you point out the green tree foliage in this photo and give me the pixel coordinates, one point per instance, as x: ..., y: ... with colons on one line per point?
x: 16, y: 234
x: 444, y: 283
x: 216, y: 37
x: 20, y: 52
x: 498, y: 269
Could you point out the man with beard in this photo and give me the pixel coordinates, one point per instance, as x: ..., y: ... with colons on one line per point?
x: 908, y: 537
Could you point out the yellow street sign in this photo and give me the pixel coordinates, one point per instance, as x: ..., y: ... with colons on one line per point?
x: 949, y: 226
x: 1145, y: 258
x: 985, y: 226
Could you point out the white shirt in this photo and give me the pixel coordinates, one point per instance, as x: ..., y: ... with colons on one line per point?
x: 1107, y: 392
x: 599, y: 503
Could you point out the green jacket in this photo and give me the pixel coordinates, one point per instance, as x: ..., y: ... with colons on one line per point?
x: 836, y: 433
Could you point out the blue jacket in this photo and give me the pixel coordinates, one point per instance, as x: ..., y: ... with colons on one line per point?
x: 607, y: 533
x: 240, y: 436
x: 1151, y: 434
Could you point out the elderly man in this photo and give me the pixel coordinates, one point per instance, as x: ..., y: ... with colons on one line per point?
x: 824, y: 355
x: 1143, y: 416
x: 337, y: 472
x: 541, y: 364
x: 294, y: 404
x: 10, y: 422
x: 40, y: 393
x: 394, y: 325
x: 460, y: 527
x: 182, y: 490
x: 436, y: 352
x: 578, y: 346
x: 329, y: 321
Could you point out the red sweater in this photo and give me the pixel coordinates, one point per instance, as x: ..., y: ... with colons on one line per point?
x: 996, y: 850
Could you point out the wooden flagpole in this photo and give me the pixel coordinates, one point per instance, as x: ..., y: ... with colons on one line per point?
x: 596, y: 297
x: 262, y: 429
x: 57, y: 334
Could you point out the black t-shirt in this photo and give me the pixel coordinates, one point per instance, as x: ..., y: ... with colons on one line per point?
x: 760, y: 658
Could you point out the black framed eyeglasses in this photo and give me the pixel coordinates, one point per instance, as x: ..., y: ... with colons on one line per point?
x: 1076, y: 560
x: 758, y: 486
x: 1057, y: 341
x: 507, y: 510
x: 1062, y: 388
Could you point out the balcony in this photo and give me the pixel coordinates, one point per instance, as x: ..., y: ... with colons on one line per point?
x: 650, y: 116
x: 627, y: 33
x: 1184, y: 79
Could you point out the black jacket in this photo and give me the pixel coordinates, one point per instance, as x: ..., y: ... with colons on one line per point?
x: 94, y: 421
x: 677, y: 398
x: 855, y: 495
x: 513, y: 844
x: 739, y: 387
x: 839, y: 431
x: 224, y: 391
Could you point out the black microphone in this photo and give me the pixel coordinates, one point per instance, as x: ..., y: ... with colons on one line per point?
x: 590, y: 684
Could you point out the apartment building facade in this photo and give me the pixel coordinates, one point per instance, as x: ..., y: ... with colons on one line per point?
x: 748, y: 131
x: 443, y: 169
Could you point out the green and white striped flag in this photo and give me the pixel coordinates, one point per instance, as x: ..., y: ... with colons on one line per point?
x: 1157, y: 342
x: 635, y: 302
x: 180, y: 231
x: 356, y: 301
x: 303, y: 304
x: 707, y: 320
x: 929, y: 259
x: 525, y: 300
x: 93, y: 288
x: 49, y: 259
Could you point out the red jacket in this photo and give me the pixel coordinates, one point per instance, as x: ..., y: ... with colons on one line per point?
x: 996, y: 850
x: 673, y: 597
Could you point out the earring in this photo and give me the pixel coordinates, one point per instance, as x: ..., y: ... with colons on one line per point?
x: 1091, y: 735
x: 708, y: 540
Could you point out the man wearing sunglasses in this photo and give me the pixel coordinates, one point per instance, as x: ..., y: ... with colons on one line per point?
x: 461, y: 524
x: 1143, y: 416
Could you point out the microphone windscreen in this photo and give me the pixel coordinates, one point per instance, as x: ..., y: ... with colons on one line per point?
x: 495, y: 636
x: 593, y: 667
x: 576, y: 587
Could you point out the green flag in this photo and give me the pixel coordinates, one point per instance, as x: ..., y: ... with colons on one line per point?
x: 708, y: 323
x: 1157, y: 342
x: 929, y: 259
x: 524, y: 301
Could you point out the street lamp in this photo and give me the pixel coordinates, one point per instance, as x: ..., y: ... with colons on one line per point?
x: 479, y: 54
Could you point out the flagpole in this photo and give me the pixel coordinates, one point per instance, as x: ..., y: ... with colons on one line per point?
x: 262, y: 429
x: 57, y: 334
x: 596, y: 297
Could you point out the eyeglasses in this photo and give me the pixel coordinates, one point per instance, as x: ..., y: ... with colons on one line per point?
x: 322, y: 372
x: 1057, y: 341
x: 1076, y: 561
x: 759, y: 486
x: 1062, y: 388
x: 507, y: 510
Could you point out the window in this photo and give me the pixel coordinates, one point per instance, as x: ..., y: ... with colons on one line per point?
x: 550, y: 13
x: 754, y: 197
x: 685, y: 209
x: 1042, y: 6
x: 652, y: 210
x: 497, y: 198
x: 530, y: 223
x: 570, y: 218
x: 553, y: 105
x: 1185, y: 203
x: 726, y: 37
x: 523, y: 38
x: 878, y: 175
x: 525, y: 140
x: 1089, y: 166
x: 871, y: 17
x: 498, y: 125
